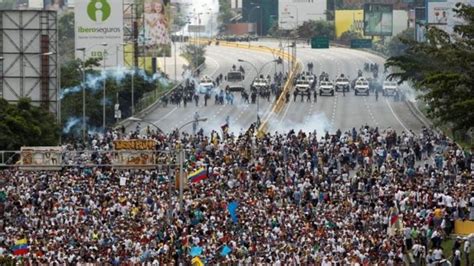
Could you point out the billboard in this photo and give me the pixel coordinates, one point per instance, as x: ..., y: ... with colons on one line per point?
x: 138, y: 153
x: 30, y: 60
x: 438, y: 12
x: 349, y: 20
x: 155, y: 31
x: 378, y: 20
x: 99, y: 22
x: 41, y: 158
x: 292, y: 13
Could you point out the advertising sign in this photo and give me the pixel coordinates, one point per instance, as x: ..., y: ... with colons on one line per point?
x: 378, y: 20
x: 349, y: 20
x: 99, y: 22
x: 136, y: 144
x: 139, y: 153
x: 41, y: 158
x: 293, y: 13
x: 438, y: 12
x: 155, y: 32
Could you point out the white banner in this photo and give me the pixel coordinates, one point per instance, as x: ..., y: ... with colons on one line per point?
x: 99, y: 22
x: 292, y: 13
x: 438, y: 12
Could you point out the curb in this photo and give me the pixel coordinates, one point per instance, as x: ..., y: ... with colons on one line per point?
x: 418, y: 114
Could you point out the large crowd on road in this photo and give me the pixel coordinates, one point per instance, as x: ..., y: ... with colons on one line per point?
x: 366, y: 196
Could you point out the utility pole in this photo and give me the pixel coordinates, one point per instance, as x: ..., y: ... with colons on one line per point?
x: 104, y: 96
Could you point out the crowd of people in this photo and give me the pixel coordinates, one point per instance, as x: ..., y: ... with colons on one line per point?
x: 362, y: 197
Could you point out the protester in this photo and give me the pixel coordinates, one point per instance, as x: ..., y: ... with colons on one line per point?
x: 357, y: 197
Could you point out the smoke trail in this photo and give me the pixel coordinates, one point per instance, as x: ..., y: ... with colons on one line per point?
x: 95, y: 81
x: 317, y: 122
x: 70, y: 123
x: 208, y: 10
x: 70, y: 90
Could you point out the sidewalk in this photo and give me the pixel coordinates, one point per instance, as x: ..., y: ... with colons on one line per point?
x: 167, y: 64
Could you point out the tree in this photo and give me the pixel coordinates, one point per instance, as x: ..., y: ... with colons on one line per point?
x: 396, y: 46
x: 26, y: 125
x: 441, y: 69
x: 225, y: 12
x: 195, y: 54
x: 316, y: 28
x: 347, y: 36
x: 118, y: 88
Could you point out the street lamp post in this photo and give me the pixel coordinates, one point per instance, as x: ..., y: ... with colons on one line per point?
x: 250, y: 14
x: 136, y: 119
x: 83, y: 50
x: 181, y: 162
x: 273, y: 54
x: 258, y: 74
x: 296, y: 28
x: 105, y: 83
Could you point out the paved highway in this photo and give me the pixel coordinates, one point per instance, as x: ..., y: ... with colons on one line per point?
x: 328, y: 113
x: 219, y: 60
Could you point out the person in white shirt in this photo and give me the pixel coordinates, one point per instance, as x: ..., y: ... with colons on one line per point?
x: 467, y: 250
x: 437, y: 254
x: 471, y: 207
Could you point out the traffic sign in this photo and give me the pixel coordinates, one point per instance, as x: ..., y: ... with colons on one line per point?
x: 361, y: 43
x: 319, y: 42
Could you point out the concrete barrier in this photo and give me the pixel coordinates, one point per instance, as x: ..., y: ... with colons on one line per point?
x: 463, y: 227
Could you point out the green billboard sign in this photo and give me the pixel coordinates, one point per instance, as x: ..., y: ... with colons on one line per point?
x: 319, y: 42
x: 361, y: 43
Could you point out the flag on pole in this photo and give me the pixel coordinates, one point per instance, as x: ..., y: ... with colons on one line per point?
x: 21, y: 247
x: 232, y: 207
x: 198, y: 175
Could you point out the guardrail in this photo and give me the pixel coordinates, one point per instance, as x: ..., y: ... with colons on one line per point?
x: 280, y: 102
x: 248, y: 46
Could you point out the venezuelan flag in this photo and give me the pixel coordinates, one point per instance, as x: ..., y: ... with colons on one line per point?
x: 21, y: 247
x: 198, y: 175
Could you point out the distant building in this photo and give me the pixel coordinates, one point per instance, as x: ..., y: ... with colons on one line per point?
x: 264, y: 17
x: 236, y: 4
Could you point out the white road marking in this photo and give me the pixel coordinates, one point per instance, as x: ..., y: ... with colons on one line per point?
x: 395, y: 115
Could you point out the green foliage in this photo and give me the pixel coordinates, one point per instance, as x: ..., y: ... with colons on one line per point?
x: 347, y: 36
x: 26, y: 125
x: 442, y: 70
x: 116, y: 90
x: 396, y: 46
x: 195, y: 54
x: 313, y: 28
x: 225, y: 12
